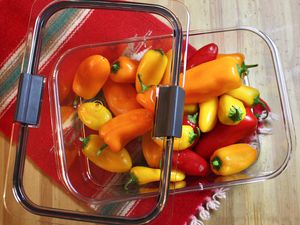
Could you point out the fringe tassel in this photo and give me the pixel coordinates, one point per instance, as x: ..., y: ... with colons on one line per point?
x: 212, y: 203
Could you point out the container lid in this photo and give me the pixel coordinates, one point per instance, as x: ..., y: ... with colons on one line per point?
x: 134, y: 30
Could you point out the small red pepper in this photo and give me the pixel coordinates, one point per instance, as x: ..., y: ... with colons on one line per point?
x: 206, y: 53
x: 260, y: 109
x: 190, y: 163
x: 223, y: 135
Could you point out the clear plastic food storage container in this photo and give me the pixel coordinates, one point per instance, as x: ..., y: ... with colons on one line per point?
x: 103, y: 163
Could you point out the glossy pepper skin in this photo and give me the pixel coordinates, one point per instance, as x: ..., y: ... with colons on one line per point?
x: 249, y: 95
x: 123, y: 128
x: 188, y: 138
x: 147, y: 99
x: 211, y: 79
x: 123, y: 70
x: 117, y: 162
x: 167, y: 75
x: 261, y: 111
x: 151, y: 150
x: 231, y: 111
x: 191, y: 120
x: 120, y: 97
x: 190, y: 163
x: 208, y: 118
x: 172, y: 186
x: 144, y: 175
x: 190, y: 108
x: 232, y: 159
x: 93, y: 114
x: 151, y: 69
x: 240, y: 60
x: 91, y: 75
x: 223, y: 135
x: 206, y: 53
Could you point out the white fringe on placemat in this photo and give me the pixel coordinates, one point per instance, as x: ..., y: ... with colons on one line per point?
x: 203, y: 210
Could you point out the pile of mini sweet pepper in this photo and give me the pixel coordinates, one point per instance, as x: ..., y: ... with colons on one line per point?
x: 220, y: 113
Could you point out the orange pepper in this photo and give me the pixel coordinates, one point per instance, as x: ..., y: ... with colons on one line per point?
x: 148, y: 98
x: 123, y: 128
x: 120, y: 97
x: 91, y: 76
x: 123, y: 70
x: 152, y: 151
x: 211, y: 79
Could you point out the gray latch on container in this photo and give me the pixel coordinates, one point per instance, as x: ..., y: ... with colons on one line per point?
x: 29, y: 99
x: 169, y: 112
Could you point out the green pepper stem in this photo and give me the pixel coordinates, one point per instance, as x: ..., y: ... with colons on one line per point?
x: 101, y: 149
x: 84, y: 141
x: 192, y: 136
x: 132, y: 180
x: 115, y: 67
x: 257, y: 101
x: 75, y: 102
x: 193, y: 118
x: 216, y: 163
x: 243, y: 69
x: 160, y: 51
x: 143, y: 85
x: 235, y: 114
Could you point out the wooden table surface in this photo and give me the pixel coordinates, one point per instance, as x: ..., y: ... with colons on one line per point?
x: 273, y: 202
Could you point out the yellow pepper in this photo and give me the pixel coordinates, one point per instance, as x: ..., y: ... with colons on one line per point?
x: 106, y: 159
x: 173, y: 186
x: 188, y: 137
x: 151, y: 150
x: 144, y: 175
x: 231, y: 111
x: 150, y: 70
x: 190, y: 108
x: 93, y: 114
x: 249, y: 95
x: 208, y: 114
x: 232, y: 159
x: 166, y: 80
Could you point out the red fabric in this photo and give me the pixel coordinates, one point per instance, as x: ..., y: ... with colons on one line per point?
x: 13, y: 22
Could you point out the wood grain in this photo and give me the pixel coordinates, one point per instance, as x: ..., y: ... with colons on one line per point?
x: 273, y: 202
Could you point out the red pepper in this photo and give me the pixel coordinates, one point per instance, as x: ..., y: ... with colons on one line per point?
x: 260, y: 109
x: 190, y: 163
x: 192, y: 120
x: 223, y: 135
x: 206, y: 53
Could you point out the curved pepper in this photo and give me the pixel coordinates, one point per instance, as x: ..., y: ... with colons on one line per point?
x: 151, y: 69
x: 147, y: 99
x: 106, y: 159
x: 250, y: 96
x: 91, y: 75
x: 206, y: 53
x: 172, y: 186
x: 123, y: 128
x: 120, y: 97
x: 208, y: 114
x: 93, y: 114
x: 151, y: 150
x: 231, y: 111
x: 123, y: 70
x: 211, y: 79
x: 190, y: 163
x: 232, y: 159
x: 223, y: 135
x: 144, y: 175
x: 188, y: 138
